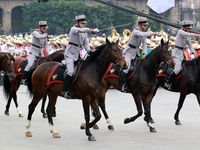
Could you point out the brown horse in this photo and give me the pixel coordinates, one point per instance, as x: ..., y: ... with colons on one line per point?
x: 6, y: 64
x: 141, y: 84
x: 87, y: 85
x: 188, y: 83
x: 11, y: 87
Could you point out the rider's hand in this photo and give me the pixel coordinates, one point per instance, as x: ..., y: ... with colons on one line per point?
x: 144, y: 55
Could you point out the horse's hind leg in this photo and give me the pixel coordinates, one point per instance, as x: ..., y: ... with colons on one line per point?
x: 95, y: 107
x: 139, y: 109
x: 50, y: 111
x: 31, y: 109
x: 180, y: 105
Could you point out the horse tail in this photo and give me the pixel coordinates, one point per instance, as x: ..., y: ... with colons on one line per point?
x: 29, y: 82
x: 6, y: 85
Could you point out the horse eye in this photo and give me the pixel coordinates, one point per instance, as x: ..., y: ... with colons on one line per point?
x: 115, y: 50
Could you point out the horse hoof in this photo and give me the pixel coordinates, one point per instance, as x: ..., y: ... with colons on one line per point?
x: 177, y: 122
x: 152, y: 129
x: 28, y: 134
x: 95, y: 126
x: 54, y: 115
x: 91, y: 138
x: 21, y: 115
x: 6, y: 112
x: 56, y: 135
x: 110, y: 127
x: 127, y: 120
x: 83, y: 126
x: 44, y: 115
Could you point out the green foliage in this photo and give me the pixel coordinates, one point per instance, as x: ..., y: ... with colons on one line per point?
x: 155, y: 26
x: 197, y: 16
x: 64, y: 15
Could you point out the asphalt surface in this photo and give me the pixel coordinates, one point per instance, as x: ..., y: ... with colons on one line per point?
x: 135, y: 135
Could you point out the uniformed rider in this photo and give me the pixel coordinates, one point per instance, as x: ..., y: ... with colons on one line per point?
x: 39, y: 40
x: 138, y: 36
x: 183, y: 38
x: 77, y: 40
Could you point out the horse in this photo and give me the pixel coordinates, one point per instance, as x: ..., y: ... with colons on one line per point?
x: 188, y: 83
x: 86, y: 86
x: 11, y: 87
x: 141, y: 84
x: 6, y: 64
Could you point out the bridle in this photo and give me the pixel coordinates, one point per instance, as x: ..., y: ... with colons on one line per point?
x: 7, y: 72
x: 112, y: 58
x: 163, y: 59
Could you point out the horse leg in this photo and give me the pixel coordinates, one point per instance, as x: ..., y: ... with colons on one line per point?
x: 147, y: 106
x: 180, y: 105
x: 43, y: 105
x: 95, y: 107
x: 50, y: 111
x: 31, y: 109
x: 137, y: 99
x: 8, y: 104
x: 14, y: 95
x: 86, y: 108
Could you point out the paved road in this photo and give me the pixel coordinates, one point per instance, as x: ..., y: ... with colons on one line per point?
x: 135, y: 135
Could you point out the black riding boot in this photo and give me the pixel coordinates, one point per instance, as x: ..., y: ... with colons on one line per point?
x: 124, y: 82
x: 24, y: 77
x: 169, y: 81
x: 65, y: 93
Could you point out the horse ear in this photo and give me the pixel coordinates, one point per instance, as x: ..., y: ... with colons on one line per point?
x: 117, y: 41
x: 162, y: 41
x: 108, y: 42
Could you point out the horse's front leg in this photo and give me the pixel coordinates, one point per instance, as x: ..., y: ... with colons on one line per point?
x: 95, y: 107
x: 86, y: 108
x: 180, y: 105
x: 138, y: 103
x: 147, y: 104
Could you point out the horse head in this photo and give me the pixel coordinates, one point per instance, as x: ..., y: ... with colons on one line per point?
x: 116, y: 54
x: 8, y: 65
x: 165, y: 54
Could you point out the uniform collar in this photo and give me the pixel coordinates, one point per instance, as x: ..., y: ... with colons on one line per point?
x: 137, y: 28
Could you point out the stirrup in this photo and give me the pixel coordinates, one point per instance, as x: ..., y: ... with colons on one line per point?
x: 23, y: 82
x: 167, y: 86
x: 66, y: 94
x: 124, y: 88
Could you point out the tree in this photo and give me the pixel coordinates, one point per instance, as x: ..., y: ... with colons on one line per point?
x: 35, y: 12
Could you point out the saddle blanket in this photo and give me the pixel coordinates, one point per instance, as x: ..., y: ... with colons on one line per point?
x: 56, y: 75
x: 21, y: 66
x: 163, y: 71
x: 114, y: 71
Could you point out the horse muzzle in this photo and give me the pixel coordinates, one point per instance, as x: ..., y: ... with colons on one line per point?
x: 12, y: 76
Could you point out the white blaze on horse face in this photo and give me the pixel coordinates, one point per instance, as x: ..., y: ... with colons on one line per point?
x: 28, y: 125
x: 52, y: 129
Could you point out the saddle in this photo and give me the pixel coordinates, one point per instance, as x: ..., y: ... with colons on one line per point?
x: 165, y: 71
x: 57, y: 75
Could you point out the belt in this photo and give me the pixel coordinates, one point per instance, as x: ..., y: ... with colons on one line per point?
x: 182, y: 48
x: 36, y: 46
x: 75, y: 44
x: 132, y: 46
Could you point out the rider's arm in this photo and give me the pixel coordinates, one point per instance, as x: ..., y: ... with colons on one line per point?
x: 47, y: 47
x: 190, y: 45
x: 80, y: 30
x: 86, y: 44
x: 38, y: 35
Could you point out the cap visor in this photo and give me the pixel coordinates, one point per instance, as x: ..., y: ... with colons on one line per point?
x: 83, y: 21
x: 145, y: 23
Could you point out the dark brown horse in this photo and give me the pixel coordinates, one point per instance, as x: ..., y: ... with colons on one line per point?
x: 87, y: 85
x: 11, y: 87
x: 188, y: 83
x: 141, y: 84
x: 6, y: 64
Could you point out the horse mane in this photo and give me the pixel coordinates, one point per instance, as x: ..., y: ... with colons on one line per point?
x: 93, y: 55
x: 191, y: 62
